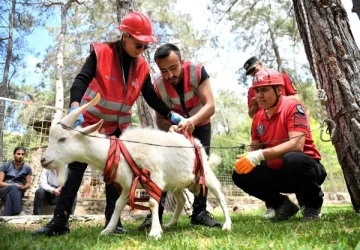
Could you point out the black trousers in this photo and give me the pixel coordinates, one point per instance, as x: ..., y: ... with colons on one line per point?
x: 69, y: 191
x: 203, y: 133
x: 300, y: 174
x: 12, y: 195
x: 41, y: 195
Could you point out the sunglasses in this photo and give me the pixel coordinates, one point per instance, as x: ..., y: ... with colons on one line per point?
x: 139, y: 46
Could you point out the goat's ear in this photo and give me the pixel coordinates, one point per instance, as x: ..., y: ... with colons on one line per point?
x: 92, y: 128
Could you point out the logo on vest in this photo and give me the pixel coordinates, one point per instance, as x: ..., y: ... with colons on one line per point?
x: 111, y: 78
x: 260, y: 129
x: 135, y: 83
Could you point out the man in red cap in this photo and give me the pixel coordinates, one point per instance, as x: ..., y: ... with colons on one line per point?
x: 282, y: 156
x: 119, y: 73
x: 254, y: 65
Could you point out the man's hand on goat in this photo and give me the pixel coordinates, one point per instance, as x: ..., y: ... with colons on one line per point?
x: 174, y: 128
x: 80, y: 118
x: 175, y: 118
x: 187, y: 124
x: 245, y: 163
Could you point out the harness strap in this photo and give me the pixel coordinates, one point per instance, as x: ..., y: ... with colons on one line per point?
x: 143, y: 176
x: 112, y: 162
x: 198, y: 163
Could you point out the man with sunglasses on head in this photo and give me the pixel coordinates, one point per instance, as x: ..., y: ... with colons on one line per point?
x: 254, y: 65
x: 185, y: 88
x: 119, y: 73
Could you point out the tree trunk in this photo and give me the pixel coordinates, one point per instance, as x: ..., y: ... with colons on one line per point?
x: 335, y: 65
x: 146, y: 115
x: 275, y: 48
x: 59, y: 85
x: 5, y: 84
x: 356, y: 7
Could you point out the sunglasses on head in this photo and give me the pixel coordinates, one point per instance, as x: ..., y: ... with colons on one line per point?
x: 139, y: 46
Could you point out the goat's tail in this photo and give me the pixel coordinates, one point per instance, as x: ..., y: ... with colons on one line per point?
x: 214, y: 161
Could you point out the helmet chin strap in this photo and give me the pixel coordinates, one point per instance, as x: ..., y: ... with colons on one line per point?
x: 277, y: 98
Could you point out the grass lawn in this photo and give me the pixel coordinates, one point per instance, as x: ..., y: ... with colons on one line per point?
x: 338, y: 229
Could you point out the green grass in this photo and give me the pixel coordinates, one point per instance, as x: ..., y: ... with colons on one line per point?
x: 338, y: 229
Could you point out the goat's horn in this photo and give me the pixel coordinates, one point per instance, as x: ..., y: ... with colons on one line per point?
x: 70, y: 119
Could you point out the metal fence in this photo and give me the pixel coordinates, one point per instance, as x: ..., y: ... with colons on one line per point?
x: 27, y: 124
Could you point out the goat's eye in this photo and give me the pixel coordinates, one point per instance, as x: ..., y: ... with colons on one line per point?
x: 63, y: 139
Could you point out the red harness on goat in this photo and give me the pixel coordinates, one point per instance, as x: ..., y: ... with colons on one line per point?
x: 140, y: 174
x: 198, y: 164
x: 143, y: 175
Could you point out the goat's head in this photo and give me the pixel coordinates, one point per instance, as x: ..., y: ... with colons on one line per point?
x: 66, y: 144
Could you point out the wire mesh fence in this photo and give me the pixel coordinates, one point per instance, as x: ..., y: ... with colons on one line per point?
x: 27, y: 124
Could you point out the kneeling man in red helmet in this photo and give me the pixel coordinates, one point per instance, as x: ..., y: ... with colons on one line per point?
x: 282, y: 157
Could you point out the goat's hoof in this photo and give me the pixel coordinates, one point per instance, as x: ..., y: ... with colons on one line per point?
x: 156, y: 234
x: 170, y: 224
x: 227, y: 226
x: 105, y: 232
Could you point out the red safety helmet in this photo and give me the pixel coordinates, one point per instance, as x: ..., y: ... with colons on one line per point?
x: 267, y: 77
x: 138, y: 26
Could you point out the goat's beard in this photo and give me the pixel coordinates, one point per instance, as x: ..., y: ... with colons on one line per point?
x: 62, y: 175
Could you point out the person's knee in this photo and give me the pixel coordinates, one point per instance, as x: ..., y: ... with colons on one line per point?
x: 290, y: 158
x: 15, y: 190
x: 238, y: 179
x: 40, y: 192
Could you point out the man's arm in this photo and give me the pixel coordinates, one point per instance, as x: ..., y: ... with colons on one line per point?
x: 162, y: 122
x: 255, y: 145
x: 2, y: 177
x: 253, y: 109
x: 27, y: 183
x: 294, y: 144
x: 205, y: 113
x: 152, y: 98
x: 207, y: 99
x: 44, y: 182
x: 253, y: 106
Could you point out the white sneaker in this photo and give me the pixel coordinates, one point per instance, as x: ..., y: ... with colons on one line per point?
x: 22, y: 213
x: 269, y: 213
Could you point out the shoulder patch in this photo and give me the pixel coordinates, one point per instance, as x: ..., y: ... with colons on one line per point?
x: 300, y: 109
x: 260, y: 129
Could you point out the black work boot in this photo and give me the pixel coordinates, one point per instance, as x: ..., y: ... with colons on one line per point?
x: 148, y: 219
x: 286, y: 210
x: 119, y: 229
x: 59, y: 225
x: 204, y: 218
x: 146, y: 223
x: 311, y: 213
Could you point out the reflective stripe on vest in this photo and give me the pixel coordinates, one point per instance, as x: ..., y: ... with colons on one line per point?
x: 107, y: 104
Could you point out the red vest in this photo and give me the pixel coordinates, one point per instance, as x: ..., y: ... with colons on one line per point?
x: 116, y: 100
x: 192, y: 102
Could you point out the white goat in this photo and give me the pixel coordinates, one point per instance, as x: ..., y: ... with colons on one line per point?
x: 171, y: 167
